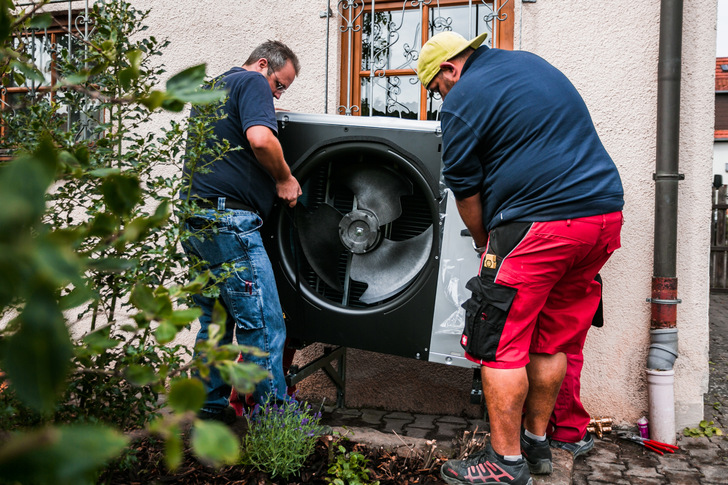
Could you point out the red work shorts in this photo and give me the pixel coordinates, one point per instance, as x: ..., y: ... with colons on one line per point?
x: 540, y: 296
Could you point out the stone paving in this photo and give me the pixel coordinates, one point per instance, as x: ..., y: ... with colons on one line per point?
x: 700, y: 461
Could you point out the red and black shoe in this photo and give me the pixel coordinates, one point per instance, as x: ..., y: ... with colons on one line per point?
x: 486, y: 467
x: 537, y: 455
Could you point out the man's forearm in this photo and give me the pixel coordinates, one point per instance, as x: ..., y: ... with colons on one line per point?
x: 471, y: 212
x: 268, y: 152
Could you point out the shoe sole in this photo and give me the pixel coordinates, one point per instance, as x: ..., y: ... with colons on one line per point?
x: 585, y: 449
x: 541, y: 467
x: 456, y: 481
x: 581, y: 451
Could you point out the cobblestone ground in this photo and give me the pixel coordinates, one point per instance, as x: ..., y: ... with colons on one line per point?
x: 702, y: 461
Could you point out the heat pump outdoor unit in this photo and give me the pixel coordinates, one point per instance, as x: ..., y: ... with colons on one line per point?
x: 373, y: 256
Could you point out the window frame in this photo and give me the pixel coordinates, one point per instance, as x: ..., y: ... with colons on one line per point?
x: 503, y: 39
x: 54, y: 33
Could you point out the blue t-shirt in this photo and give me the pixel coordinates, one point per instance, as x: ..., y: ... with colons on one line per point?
x: 238, y: 175
x: 516, y: 131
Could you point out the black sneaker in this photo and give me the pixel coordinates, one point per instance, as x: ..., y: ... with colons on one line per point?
x: 579, y: 448
x: 485, y: 467
x: 537, y: 455
x: 226, y: 416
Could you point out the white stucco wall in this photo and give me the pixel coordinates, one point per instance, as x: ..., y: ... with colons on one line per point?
x: 609, y: 50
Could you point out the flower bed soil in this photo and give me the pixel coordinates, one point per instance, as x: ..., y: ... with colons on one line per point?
x: 384, y: 466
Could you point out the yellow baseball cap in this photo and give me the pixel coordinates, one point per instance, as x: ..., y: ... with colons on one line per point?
x: 439, y: 49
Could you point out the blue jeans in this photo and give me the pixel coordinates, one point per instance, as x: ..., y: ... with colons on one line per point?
x: 249, y: 295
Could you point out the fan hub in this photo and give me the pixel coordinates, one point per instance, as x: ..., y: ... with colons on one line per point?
x: 359, y: 231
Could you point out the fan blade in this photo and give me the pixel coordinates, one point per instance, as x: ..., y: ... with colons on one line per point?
x: 391, y: 266
x: 377, y: 190
x: 318, y: 233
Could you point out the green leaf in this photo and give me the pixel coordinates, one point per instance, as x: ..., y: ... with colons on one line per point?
x: 5, y: 20
x: 214, y: 443
x: 182, y: 317
x: 80, y: 77
x: 104, y: 172
x: 56, y: 263
x: 186, y: 395
x: 140, y: 375
x: 64, y: 455
x: 241, y: 375
x: 173, y: 454
x: 196, y: 285
x: 121, y: 193
x: 77, y: 297
x: 154, y: 100
x: 111, y: 265
x: 82, y: 155
x: 173, y: 104
x: 42, y: 21
x: 37, y: 356
x: 188, y: 80
x: 126, y: 76
x: 202, y: 96
x: 134, y: 56
x: 28, y: 70
x: 99, y: 340
x: 165, y: 332
x: 104, y: 224
x: 23, y: 185
x: 186, y: 87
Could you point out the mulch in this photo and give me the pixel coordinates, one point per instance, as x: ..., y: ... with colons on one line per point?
x: 384, y: 466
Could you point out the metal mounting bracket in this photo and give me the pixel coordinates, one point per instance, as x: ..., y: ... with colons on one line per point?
x: 337, y: 376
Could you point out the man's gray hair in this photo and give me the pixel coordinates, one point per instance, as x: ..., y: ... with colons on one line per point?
x: 277, y: 53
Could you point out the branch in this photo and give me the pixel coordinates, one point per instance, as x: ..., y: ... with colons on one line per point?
x: 97, y: 95
x: 25, y: 17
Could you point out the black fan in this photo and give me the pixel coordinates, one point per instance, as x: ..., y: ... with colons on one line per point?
x: 360, y: 233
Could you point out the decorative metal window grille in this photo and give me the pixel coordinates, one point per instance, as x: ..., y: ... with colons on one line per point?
x: 381, y: 40
x: 70, y: 29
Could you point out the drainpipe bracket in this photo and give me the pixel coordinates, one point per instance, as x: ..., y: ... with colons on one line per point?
x: 668, y: 176
x: 660, y: 301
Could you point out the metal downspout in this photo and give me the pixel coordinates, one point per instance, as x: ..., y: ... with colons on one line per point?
x: 663, y: 325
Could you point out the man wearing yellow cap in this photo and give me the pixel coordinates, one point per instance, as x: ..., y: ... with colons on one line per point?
x: 542, y: 200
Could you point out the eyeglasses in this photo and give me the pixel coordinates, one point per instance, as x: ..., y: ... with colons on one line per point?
x: 279, y: 86
x: 434, y: 90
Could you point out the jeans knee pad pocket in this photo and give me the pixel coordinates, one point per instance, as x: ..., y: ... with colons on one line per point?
x: 486, y: 312
x: 247, y: 310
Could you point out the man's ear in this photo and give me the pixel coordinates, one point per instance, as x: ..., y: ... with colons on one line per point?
x: 447, y: 67
x: 263, y: 63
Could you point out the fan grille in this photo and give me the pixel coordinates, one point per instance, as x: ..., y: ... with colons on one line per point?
x: 318, y: 188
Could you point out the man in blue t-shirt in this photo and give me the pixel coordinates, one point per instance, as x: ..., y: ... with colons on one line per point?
x: 235, y: 194
x: 542, y: 200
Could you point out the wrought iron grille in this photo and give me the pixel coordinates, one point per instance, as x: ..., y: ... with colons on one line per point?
x: 381, y: 42
x: 71, y: 28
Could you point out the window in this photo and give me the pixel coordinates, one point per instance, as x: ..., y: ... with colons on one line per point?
x: 42, y: 47
x: 378, y: 75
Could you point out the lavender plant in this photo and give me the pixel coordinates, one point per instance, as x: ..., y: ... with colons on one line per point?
x: 281, y: 435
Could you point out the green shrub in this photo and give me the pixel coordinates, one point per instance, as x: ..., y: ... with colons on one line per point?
x: 280, y: 436
x: 349, y: 468
x: 87, y: 234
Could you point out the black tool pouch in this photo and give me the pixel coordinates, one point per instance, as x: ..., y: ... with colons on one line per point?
x: 485, y: 315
